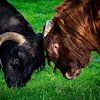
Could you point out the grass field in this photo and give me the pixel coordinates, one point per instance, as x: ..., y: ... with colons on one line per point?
x: 47, y: 85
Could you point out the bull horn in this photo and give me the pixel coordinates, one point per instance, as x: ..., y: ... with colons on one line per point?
x: 16, y: 37
x: 48, y: 27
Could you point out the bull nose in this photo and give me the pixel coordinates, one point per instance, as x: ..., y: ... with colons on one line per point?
x: 71, y: 75
x: 68, y: 76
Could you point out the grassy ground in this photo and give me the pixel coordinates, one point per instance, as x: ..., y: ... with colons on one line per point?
x: 47, y: 85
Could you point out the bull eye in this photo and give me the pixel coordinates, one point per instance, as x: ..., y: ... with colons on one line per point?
x: 29, y: 50
x: 55, y: 47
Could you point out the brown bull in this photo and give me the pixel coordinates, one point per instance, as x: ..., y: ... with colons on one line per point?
x: 72, y: 34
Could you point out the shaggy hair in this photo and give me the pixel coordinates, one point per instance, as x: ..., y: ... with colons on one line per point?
x: 77, y: 31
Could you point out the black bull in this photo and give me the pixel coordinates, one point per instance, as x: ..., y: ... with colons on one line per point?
x: 21, y: 50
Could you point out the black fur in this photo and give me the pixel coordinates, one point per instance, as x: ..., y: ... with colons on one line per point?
x: 19, y: 61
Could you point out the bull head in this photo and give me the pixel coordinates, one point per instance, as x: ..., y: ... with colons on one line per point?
x: 20, y: 58
x: 62, y: 50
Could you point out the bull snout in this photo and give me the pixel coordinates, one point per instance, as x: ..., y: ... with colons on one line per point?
x: 72, y: 75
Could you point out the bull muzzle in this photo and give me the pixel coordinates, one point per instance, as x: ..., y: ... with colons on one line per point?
x: 72, y: 75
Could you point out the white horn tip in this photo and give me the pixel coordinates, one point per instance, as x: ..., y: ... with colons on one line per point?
x: 48, y: 27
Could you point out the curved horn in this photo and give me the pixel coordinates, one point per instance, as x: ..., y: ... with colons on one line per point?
x: 16, y: 37
x: 48, y: 27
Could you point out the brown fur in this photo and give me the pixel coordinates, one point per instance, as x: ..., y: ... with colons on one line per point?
x: 77, y: 30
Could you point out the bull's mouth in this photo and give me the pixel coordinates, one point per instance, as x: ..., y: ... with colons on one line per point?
x: 72, y: 75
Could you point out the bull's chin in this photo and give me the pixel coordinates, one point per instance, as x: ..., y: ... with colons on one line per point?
x: 71, y: 76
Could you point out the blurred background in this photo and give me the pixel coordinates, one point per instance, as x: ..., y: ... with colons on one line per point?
x: 46, y: 85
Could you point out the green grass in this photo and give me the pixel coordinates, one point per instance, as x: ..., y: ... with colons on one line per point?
x: 47, y: 85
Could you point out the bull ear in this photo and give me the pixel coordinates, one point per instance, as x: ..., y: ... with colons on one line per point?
x: 61, y: 25
x: 49, y: 25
